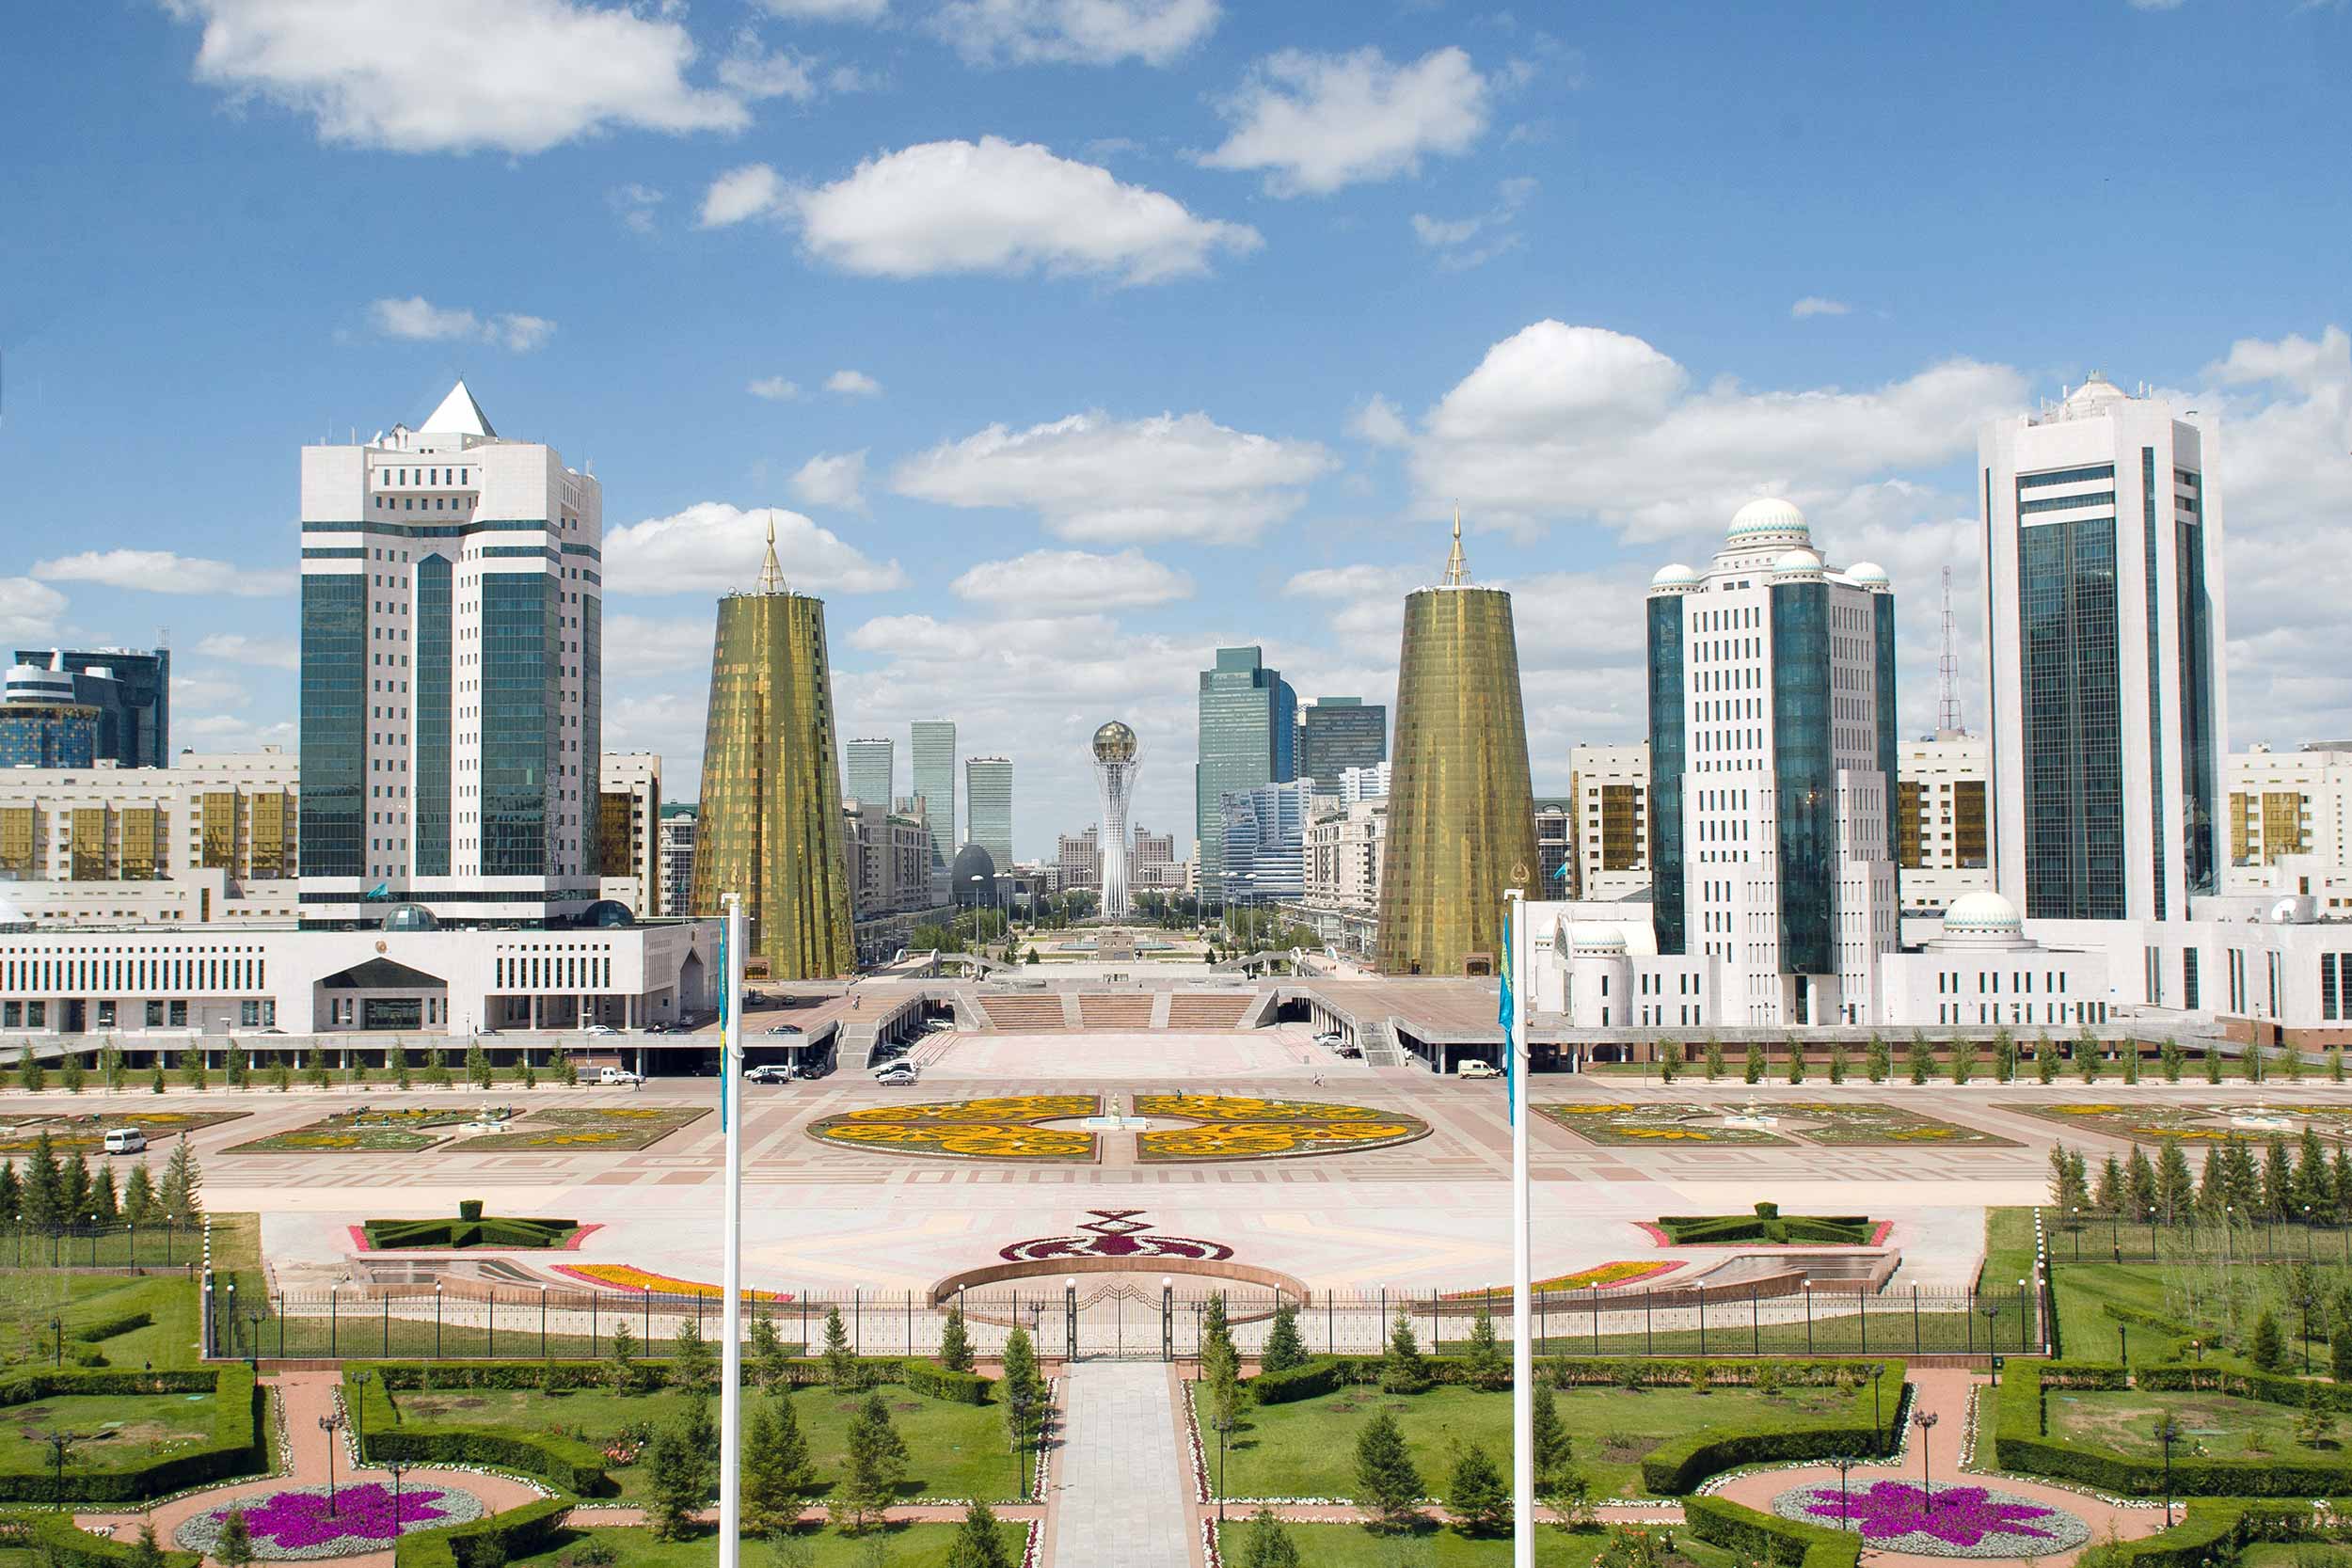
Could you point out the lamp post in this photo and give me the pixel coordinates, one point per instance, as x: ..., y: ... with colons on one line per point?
x: 1843, y: 1463
x: 1925, y: 1420
x: 60, y: 1443
x: 2168, y: 1432
x: 1224, y: 1440
x: 253, y: 1338
x: 330, y: 1424
x: 361, y: 1380
x: 1992, y: 1309
x: 1878, y: 1424
x: 397, y: 1467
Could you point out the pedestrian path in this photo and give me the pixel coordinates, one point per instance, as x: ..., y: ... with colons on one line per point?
x: 1122, y: 1501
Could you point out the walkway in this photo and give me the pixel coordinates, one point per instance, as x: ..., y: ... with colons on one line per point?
x: 1121, y: 1502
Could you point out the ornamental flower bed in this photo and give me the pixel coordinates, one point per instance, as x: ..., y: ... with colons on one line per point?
x: 372, y: 1131
x: 997, y: 1127
x: 621, y: 1277
x: 86, y: 1134
x: 1949, y: 1521
x: 1633, y: 1126
x: 296, y: 1526
x: 1601, y: 1276
x: 1864, y: 1125
x: 621, y: 1129
x: 1243, y: 1127
x: 2187, y: 1123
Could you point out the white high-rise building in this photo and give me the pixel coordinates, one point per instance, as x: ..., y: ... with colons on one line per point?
x: 451, y: 693
x: 2104, y: 629
x: 1771, y: 693
x: 1943, y: 820
x: 1609, y: 833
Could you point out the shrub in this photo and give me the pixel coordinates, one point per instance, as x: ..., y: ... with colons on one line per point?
x: 945, y: 1383
x: 470, y: 1208
x: 238, y: 1447
x: 1763, y: 1538
x: 488, y: 1543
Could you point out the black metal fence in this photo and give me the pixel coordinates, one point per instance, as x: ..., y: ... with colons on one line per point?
x: 2189, y: 1237
x: 123, y: 1245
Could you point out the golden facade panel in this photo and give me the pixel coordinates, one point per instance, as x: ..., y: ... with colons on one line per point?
x: 16, y: 841
x: 220, y: 831
x: 144, y: 842
x: 267, y: 818
x: 2283, y: 824
x: 89, y: 844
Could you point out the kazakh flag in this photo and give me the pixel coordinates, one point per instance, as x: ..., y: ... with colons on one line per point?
x: 1503, y: 1006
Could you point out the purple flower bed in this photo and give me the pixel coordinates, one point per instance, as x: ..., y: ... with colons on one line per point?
x: 296, y: 1525
x: 1952, y: 1521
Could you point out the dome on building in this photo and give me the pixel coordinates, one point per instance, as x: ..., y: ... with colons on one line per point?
x: 2094, y: 394
x: 972, y: 861
x: 1674, y: 575
x: 1114, y: 742
x: 1797, y: 563
x: 1768, y: 520
x: 410, y: 917
x: 1602, y: 944
x: 608, y: 914
x: 1982, y: 914
x: 1869, y: 574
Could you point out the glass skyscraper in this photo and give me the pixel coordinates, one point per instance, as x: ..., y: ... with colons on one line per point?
x: 987, y: 807
x: 872, y: 771
x: 129, y: 688
x: 452, y: 679
x: 2102, y: 540
x: 1340, y: 732
x: 932, y: 750
x: 1248, y: 716
x: 1461, y: 808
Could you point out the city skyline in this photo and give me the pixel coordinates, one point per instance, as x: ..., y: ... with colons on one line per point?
x: 1123, y: 461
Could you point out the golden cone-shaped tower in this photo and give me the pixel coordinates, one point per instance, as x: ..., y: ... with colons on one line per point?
x: 1461, y: 808
x: 770, y: 816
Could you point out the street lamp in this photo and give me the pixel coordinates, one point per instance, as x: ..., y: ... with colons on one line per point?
x: 2168, y: 1433
x: 56, y: 1331
x: 1877, y: 1426
x: 330, y: 1424
x: 360, y: 1379
x: 1843, y: 1463
x: 1019, y: 1398
x: 1925, y: 1419
x: 59, y: 1442
x: 397, y: 1467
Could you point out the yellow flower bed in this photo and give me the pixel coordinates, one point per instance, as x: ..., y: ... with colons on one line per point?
x: 622, y: 1276
x: 1228, y: 1140
x: 1010, y: 1107
x: 1236, y: 1107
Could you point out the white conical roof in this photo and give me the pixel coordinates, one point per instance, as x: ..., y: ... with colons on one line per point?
x: 458, y: 415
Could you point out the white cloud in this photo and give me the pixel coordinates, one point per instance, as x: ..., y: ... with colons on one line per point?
x: 28, y: 609
x: 775, y: 389
x: 454, y: 75
x: 1814, y: 305
x: 164, y: 572
x: 1379, y: 422
x: 636, y: 646
x: 990, y: 206
x: 1353, y: 583
x: 419, y: 320
x: 1318, y: 122
x: 1103, y: 481
x: 1080, y: 32
x: 854, y: 384
x: 1458, y: 242
x: 753, y: 190
x: 1561, y: 422
x: 258, y: 653
x: 828, y: 10
x: 230, y: 732
x: 833, y: 479
x: 633, y: 204
x: 1042, y: 581
x: 751, y: 69
x: 2294, y: 361
x: 714, y: 546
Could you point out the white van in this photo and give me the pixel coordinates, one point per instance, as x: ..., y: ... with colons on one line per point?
x: 125, y: 1140
x: 619, y: 1075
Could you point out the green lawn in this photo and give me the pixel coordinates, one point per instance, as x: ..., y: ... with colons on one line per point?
x: 119, y: 1431
x: 909, y: 1547
x: 954, y: 1450
x: 1353, y: 1546
x: 1307, y: 1449
x: 2212, y: 1425
x: 2219, y: 1303
x: 29, y: 1298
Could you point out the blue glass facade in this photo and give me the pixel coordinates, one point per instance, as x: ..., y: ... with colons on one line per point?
x: 592, y: 723
x: 334, y: 706
x: 429, y: 814
x: 2155, y: 673
x: 2200, y: 864
x: 2073, y: 720
x: 1805, y: 768
x: 1883, y: 679
x: 1669, y: 912
x: 519, y: 709
x: 47, y: 734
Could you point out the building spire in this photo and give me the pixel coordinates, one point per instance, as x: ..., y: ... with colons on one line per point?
x: 772, y: 573
x: 1456, y: 570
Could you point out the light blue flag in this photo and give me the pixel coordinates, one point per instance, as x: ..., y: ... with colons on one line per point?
x: 1505, y: 1005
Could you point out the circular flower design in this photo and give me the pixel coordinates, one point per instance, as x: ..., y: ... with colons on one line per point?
x: 301, y: 1523
x: 1009, y: 1127
x: 1228, y: 1140
x: 1946, y: 1521
x: 1236, y: 1107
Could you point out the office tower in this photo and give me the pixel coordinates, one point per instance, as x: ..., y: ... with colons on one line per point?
x: 678, y: 823
x: 1078, y: 857
x: 771, y: 828
x: 628, y: 834
x: 131, y: 689
x: 1943, y: 823
x: 872, y: 772
x: 1265, y: 857
x: 1771, y: 692
x: 1364, y: 784
x: 1117, y: 759
x: 1338, y: 733
x: 1609, y: 831
x: 1247, y: 715
x: 452, y: 688
x: 987, y: 808
x: 1555, y: 846
x: 933, y: 752
x: 40, y: 723
x: 1344, y: 845
x: 1461, y: 810
x: 2105, y: 634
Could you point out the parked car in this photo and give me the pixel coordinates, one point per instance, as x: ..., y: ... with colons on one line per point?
x: 1332, y: 1037
x: 769, y: 1072
x: 601, y: 1029
x: 484, y: 1033
x: 125, y: 1140
x: 785, y: 1029
x: 896, y: 1073
x: 619, y: 1075
x: 1476, y: 1068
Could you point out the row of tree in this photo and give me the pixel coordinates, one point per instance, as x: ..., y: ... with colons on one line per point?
x: 243, y: 1070
x: 52, y: 1191
x: 2297, y: 1181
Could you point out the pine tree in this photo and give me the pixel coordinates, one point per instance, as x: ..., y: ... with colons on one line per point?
x: 1216, y: 1327
x: 2335, y: 1064
x: 235, y: 1547
x: 2172, y: 1058
x: 281, y: 1075
x: 694, y: 1365
x: 2106, y: 1195
x: 1796, y: 1060
x: 567, y: 1072
x: 2268, y: 1349
x: 1838, y: 1064
x: 320, y: 1076
x: 841, y: 1367
x: 765, y: 1352
x: 1922, y: 1060
x: 237, y: 1072
x: 111, y: 1066
x: 1387, y: 1484
x: 529, y: 1074
x: 437, y: 1073
x: 2293, y: 1061
x: 622, y: 1360
x: 1669, y: 1061
x: 875, y: 1463
x: 1265, y: 1544
x: 11, y: 1192
x: 2139, y: 1184
x: 776, y: 1470
x: 103, y: 1202
x: 182, y: 1195
x: 1714, y: 1058
x: 2213, y: 1064
x: 1284, y: 1348
x: 1964, y: 1059
x: 2086, y: 1056
x: 2340, y: 1353
x: 1403, y: 1368
x: 2315, y: 1188
x: 979, y: 1544
x: 2005, y: 1057
x: 2175, y: 1188
x: 139, y: 1194
x: 1022, y: 1387
x: 30, y: 1076
x: 2130, y: 1061
x: 146, y: 1552
x: 955, y: 1342
x: 2277, y: 1184
x: 1555, y: 1449
x: 1754, y: 1070
x: 677, y: 1474
x: 398, y: 1062
x: 1879, y: 1060
x: 2045, y: 1064
x: 359, y: 1073
x: 44, y: 1185
x: 477, y: 1064
x: 76, y: 1177
x: 2059, y: 1193
x: 1477, y: 1495
x: 155, y: 1076
x: 72, y: 1075
x: 1483, y: 1361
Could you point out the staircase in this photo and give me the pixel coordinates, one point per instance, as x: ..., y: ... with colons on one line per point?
x: 1028, y: 1013
x: 1116, y: 1010
x: 1379, y: 1046
x: 1208, y: 1009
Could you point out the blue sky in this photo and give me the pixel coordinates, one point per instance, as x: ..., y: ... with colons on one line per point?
x: 1219, y: 307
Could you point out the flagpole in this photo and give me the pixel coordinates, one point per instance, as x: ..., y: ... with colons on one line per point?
x: 731, y: 1356
x: 1522, y: 1293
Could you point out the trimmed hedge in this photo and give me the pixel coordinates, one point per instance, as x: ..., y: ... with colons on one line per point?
x: 1318, y: 1377
x: 942, y: 1383
x: 1767, y: 1538
x: 53, y: 1539
x: 566, y: 1464
x: 469, y: 1231
x: 106, y: 1328
x: 2022, y: 1441
x: 2209, y: 1533
x: 518, y: 1532
x: 240, y: 1444
x: 1774, y: 1228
